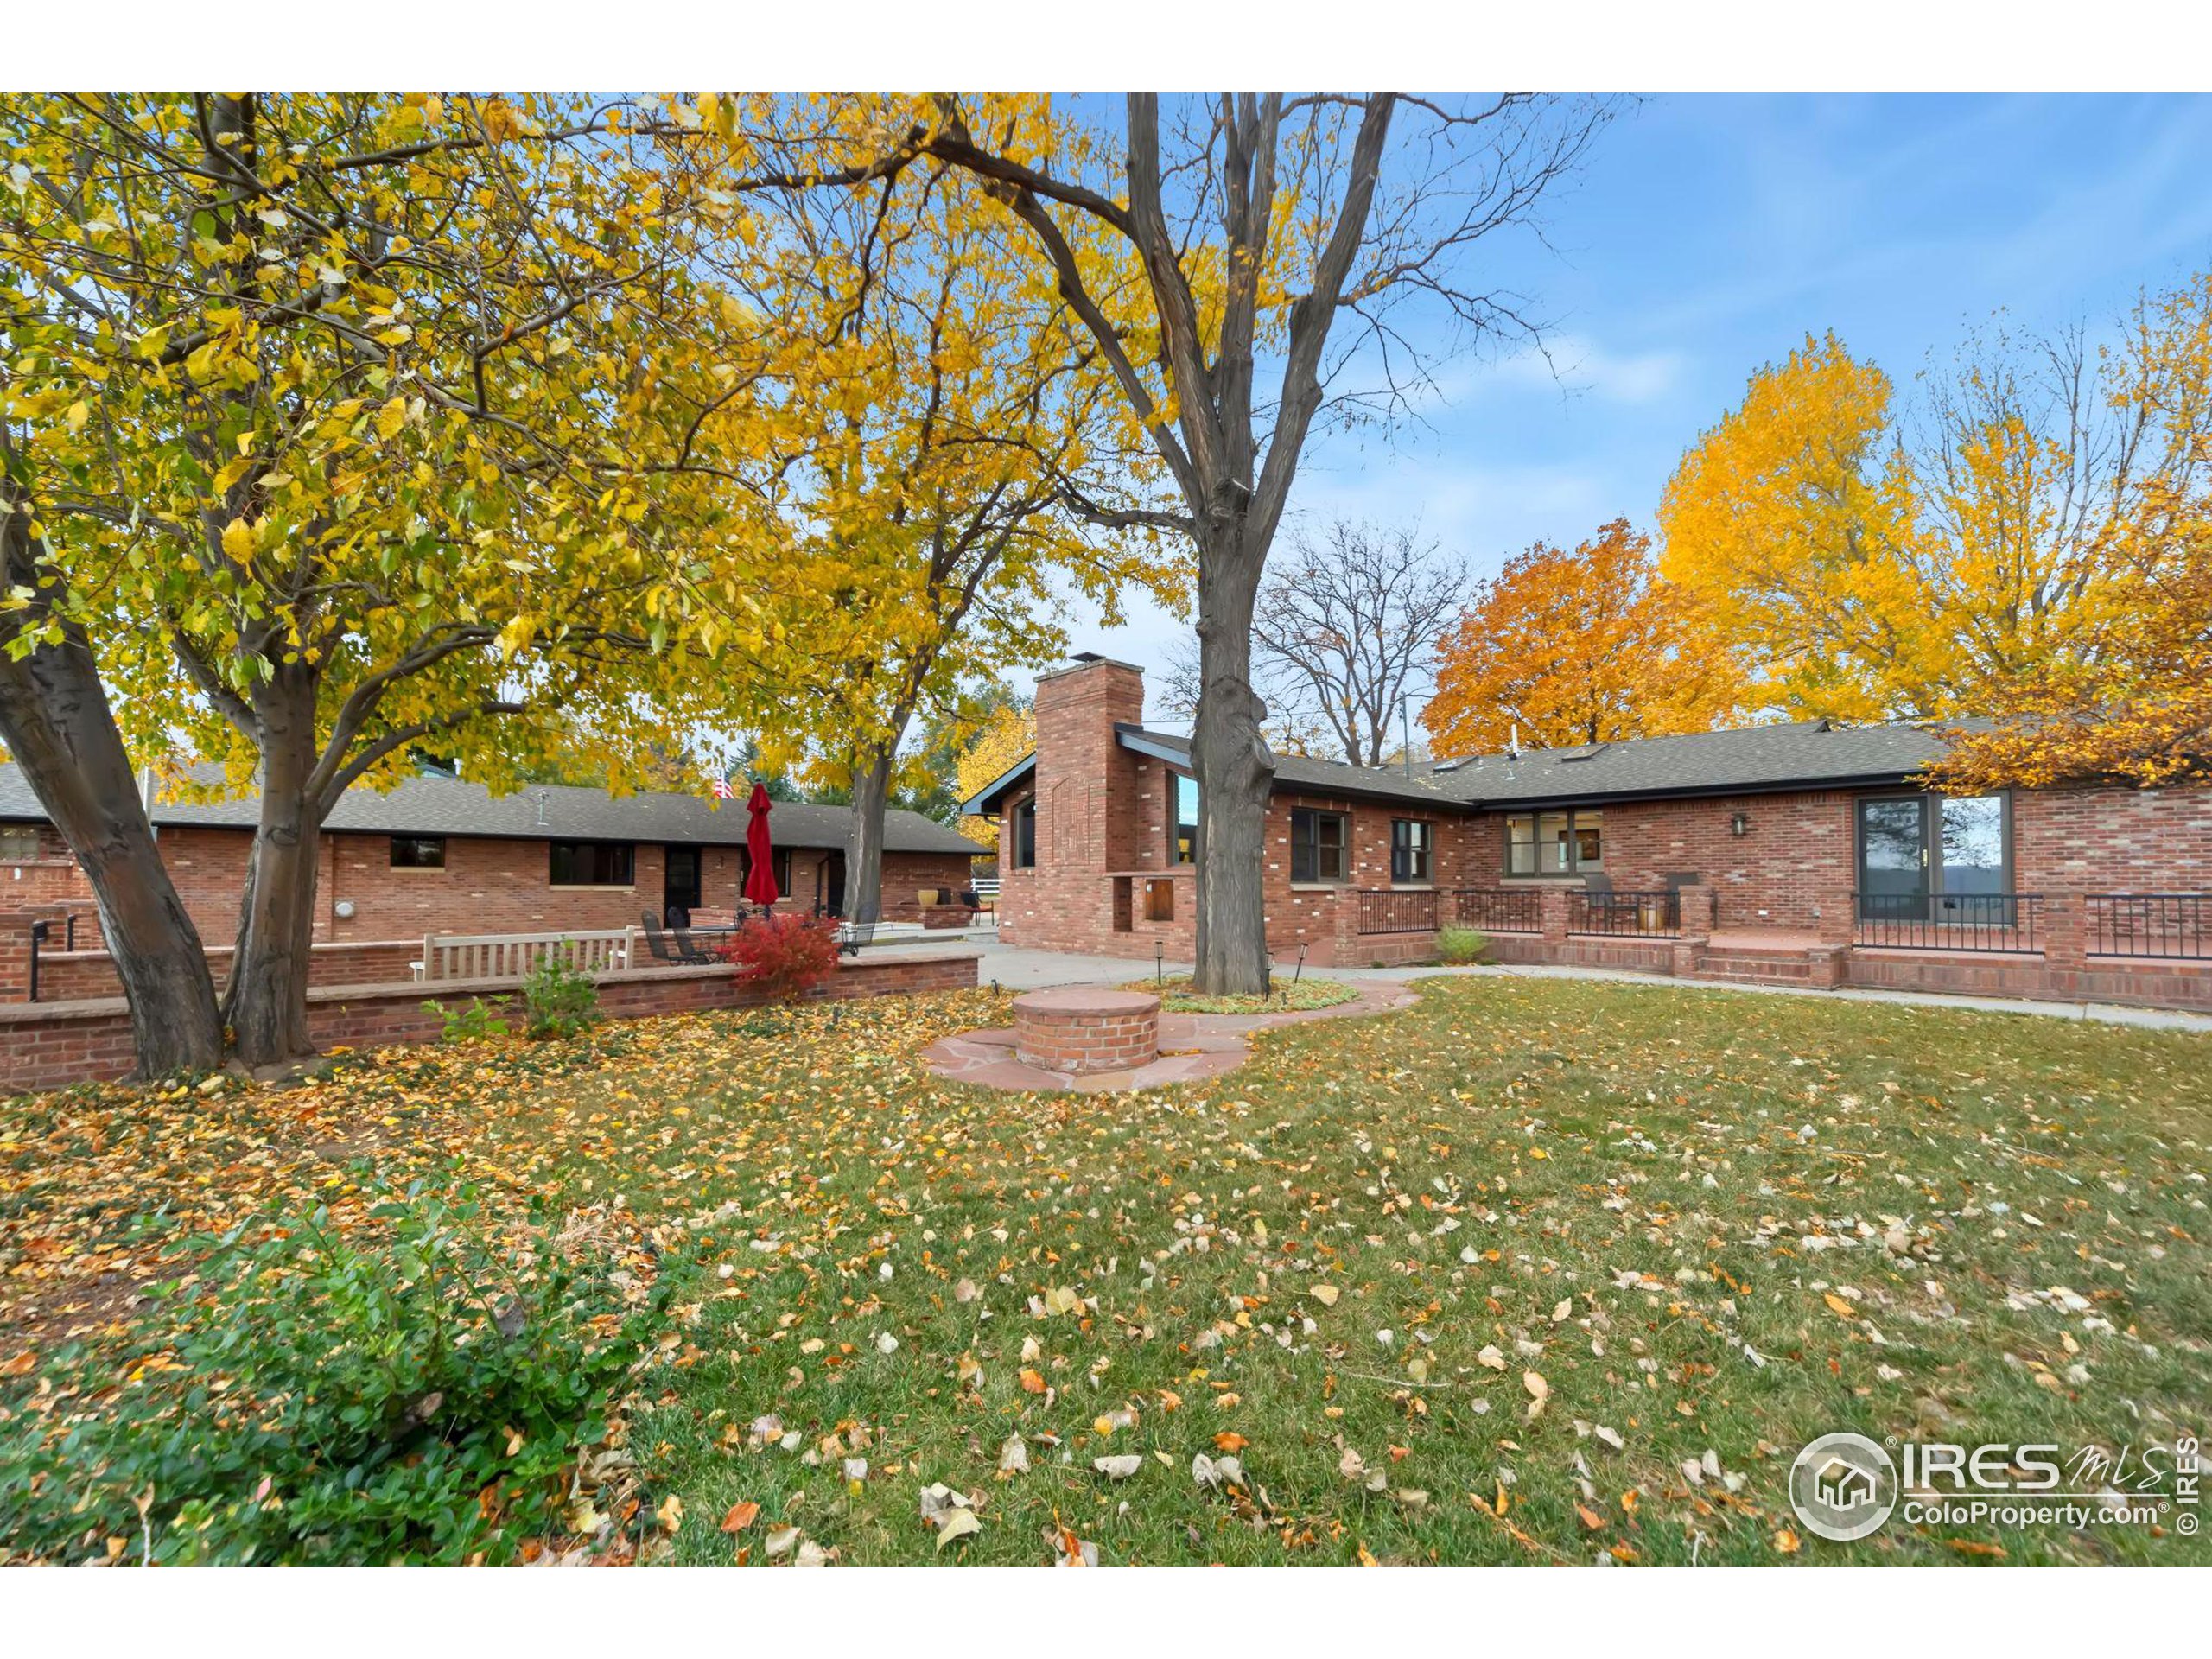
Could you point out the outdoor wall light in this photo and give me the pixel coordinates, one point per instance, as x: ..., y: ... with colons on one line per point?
x: 1740, y: 825
x: 344, y: 908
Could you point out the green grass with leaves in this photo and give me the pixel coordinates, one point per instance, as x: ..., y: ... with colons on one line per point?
x: 1531, y: 1271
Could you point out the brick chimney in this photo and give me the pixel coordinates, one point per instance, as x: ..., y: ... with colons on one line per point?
x: 1086, y: 782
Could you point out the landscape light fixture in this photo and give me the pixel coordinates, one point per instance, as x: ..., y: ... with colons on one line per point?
x: 1159, y: 962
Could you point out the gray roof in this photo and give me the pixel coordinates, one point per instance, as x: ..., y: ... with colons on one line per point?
x: 1806, y: 753
x: 1748, y: 760
x: 448, y: 806
x: 1297, y: 771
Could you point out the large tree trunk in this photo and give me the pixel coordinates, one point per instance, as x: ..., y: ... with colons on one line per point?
x: 864, y: 839
x: 1236, y: 772
x: 55, y: 720
x: 266, y: 1003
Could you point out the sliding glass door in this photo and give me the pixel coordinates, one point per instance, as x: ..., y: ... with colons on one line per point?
x: 1938, y: 858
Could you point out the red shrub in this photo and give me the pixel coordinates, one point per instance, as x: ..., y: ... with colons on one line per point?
x: 786, y: 956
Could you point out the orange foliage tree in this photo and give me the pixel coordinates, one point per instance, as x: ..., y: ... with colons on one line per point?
x: 1575, y: 646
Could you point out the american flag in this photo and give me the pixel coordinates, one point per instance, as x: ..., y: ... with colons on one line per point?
x: 723, y: 791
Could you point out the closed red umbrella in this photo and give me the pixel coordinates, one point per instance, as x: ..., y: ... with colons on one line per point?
x: 761, y: 881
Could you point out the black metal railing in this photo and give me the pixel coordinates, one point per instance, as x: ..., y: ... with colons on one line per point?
x: 1634, y: 915
x: 2172, y: 925
x: 1949, y: 921
x: 1499, y: 910
x: 1383, y: 910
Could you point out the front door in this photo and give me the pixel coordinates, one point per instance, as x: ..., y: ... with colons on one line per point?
x: 1893, y: 859
x: 682, y: 884
x: 829, y: 886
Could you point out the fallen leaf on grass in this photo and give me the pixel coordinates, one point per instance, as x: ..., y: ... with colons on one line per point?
x: 1119, y: 1468
x: 959, y: 1523
x: 1324, y: 1294
x: 740, y: 1516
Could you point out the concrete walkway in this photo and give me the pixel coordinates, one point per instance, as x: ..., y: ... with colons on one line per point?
x: 1020, y: 969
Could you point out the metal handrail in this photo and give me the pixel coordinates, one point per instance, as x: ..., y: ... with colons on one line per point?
x: 1625, y: 915
x: 1987, y: 922
x: 2176, y: 926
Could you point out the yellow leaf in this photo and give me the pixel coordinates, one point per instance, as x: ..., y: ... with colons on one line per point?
x: 392, y: 417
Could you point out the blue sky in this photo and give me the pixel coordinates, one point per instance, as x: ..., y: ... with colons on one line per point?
x: 1708, y: 236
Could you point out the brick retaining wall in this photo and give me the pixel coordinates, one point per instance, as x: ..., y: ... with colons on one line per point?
x: 48, y: 1045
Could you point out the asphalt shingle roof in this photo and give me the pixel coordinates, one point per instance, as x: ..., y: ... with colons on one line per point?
x: 1807, y: 753
x: 447, y: 806
x: 1751, y: 757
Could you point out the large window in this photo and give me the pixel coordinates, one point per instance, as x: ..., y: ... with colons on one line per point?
x: 418, y: 852
x: 1024, y: 835
x: 1555, y: 843
x: 1410, y: 842
x: 18, y: 842
x: 1935, y: 857
x: 1183, y: 833
x: 593, y: 863
x: 1317, y: 845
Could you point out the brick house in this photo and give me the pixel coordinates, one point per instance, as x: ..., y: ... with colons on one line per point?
x: 1805, y: 853
x: 441, y: 856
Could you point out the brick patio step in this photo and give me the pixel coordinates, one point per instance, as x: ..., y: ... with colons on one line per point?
x: 1746, y: 967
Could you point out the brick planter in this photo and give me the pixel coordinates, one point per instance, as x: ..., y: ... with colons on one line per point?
x: 1078, y: 1031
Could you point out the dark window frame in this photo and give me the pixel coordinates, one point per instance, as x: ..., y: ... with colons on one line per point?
x: 417, y: 842
x: 1022, y: 818
x: 1180, y: 854
x: 1402, y: 848
x: 1310, y: 843
x: 1931, y: 836
x: 621, y: 856
x: 1596, y: 814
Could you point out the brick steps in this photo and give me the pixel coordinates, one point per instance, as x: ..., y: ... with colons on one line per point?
x: 1742, y: 967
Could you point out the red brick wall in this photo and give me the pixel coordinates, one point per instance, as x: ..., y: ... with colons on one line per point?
x: 72, y: 976
x: 487, y: 887
x: 1104, y: 834
x: 905, y: 875
x: 43, y: 1047
x: 1797, y: 847
x: 2112, y: 839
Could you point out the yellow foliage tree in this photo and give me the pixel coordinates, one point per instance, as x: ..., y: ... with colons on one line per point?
x: 1009, y: 735
x: 1575, y: 645
x: 2028, y: 543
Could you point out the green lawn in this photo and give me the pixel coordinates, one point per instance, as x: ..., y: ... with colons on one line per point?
x: 1706, y: 1227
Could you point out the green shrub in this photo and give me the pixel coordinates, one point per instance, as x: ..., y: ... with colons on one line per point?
x: 1461, y: 945
x: 480, y: 1021
x: 559, y: 998
x: 420, y: 1397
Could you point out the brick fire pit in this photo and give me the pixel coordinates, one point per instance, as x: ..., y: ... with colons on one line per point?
x: 1077, y: 1031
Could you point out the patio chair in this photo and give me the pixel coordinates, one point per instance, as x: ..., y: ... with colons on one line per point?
x: 690, y: 950
x: 1603, y: 906
x: 853, y: 936
x: 684, y: 954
